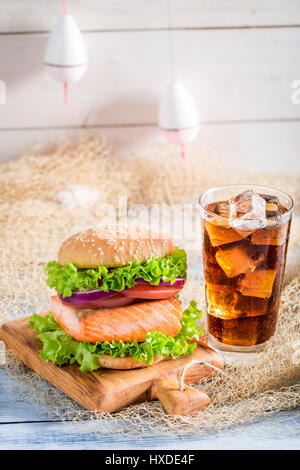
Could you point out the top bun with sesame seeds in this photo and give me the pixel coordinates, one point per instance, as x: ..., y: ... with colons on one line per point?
x: 113, y: 246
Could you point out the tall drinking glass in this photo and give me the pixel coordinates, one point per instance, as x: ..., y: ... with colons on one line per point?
x: 245, y: 238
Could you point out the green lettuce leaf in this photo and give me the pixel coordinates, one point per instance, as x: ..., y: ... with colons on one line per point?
x: 66, y: 279
x: 60, y: 348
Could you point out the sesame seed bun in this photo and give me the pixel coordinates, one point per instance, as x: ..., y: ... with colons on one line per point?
x: 114, y: 246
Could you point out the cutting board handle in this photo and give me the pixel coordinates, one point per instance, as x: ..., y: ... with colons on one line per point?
x: 177, y: 402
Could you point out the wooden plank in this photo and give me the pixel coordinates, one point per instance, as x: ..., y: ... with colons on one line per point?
x: 228, y: 13
x: 30, y: 15
x: 123, y: 140
x: 266, y: 435
x: 121, y: 85
x: 239, y: 74
x: 232, y: 75
x: 14, y: 410
x: 254, y: 146
x: 34, y: 433
x: 104, y: 389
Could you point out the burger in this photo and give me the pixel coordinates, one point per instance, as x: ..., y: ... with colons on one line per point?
x: 117, y: 301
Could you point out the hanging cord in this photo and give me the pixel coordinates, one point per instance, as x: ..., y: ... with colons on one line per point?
x: 171, y: 63
x: 192, y: 363
x: 66, y: 92
x: 182, y: 148
x: 66, y: 88
x: 170, y: 40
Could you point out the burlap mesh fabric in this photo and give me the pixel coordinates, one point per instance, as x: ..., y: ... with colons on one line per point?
x: 34, y: 222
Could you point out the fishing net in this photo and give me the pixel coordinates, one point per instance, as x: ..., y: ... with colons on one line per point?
x: 47, y: 196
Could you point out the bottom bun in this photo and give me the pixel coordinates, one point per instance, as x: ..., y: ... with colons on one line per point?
x: 125, y: 363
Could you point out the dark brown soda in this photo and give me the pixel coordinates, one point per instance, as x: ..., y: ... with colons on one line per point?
x: 243, y: 274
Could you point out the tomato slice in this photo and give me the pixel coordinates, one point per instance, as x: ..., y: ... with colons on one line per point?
x: 142, y: 291
x: 118, y: 300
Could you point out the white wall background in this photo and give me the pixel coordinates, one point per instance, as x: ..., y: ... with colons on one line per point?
x: 239, y: 59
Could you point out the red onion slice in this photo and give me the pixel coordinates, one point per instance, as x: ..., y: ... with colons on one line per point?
x: 114, y: 301
x: 88, y: 295
x: 94, y: 295
x: 177, y: 283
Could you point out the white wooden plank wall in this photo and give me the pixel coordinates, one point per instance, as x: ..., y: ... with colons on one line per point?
x: 238, y: 58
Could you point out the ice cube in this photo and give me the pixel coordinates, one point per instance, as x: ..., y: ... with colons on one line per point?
x: 234, y: 305
x: 221, y: 235
x: 237, y: 260
x: 270, y: 236
x: 272, y: 204
x: 251, y: 307
x: 222, y: 304
x: 222, y: 209
x: 258, y: 283
x: 215, y: 278
x: 247, y: 211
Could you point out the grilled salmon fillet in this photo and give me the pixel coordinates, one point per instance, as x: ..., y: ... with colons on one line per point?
x: 123, y: 323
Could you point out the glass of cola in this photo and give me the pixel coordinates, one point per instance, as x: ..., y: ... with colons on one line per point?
x: 245, y: 238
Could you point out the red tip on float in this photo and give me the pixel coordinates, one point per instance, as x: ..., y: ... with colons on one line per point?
x: 65, y: 8
x: 182, y: 150
x: 65, y: 93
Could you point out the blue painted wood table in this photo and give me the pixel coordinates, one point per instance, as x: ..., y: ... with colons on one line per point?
x: 23, y: 426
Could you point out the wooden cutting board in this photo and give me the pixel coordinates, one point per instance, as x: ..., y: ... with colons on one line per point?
x: 111, y: 390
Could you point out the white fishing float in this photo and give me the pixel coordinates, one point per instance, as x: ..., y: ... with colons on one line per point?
x: 178, y: 116
x: 66, y: 57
